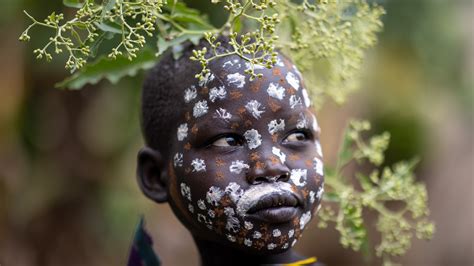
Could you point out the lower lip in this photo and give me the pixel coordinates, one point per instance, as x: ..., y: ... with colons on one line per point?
x: 275, y: 215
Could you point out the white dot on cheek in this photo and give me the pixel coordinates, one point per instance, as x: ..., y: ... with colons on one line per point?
x: 298, y: 177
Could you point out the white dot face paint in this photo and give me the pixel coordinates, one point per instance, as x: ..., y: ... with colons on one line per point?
x: 201, y: 204
x: 291, y: 233
x: 207, y: 78
x: 293, y: 80
x: 311, y: 197
x: 276, y: 91
x: 182, y: 132
x: 298, y: 177
x: 271, y: 246
x: 214, y: 195
x: 320, y: 193
x: 190, y: 208
x: 277, y: 152
x: 237, y: 166
x: 279, y: 62
x: 305, y: 219
x: 255, y: 108
x: 293, y: 243
x: 232, y: 224
x: 223, y: 114
x: 314, y: 124
x: 276, y: 233
x: 234, y: 191
x: 190, y: 94
x: 276, y: 126
x: 200, y: 108
x: 211, y: 213
x: 253, y: 138
x: 248, y: 242
x: 217, y: 93
x: 185, y: 191
x: 257, y: 235
x: 236, y: 79
x: 285, y: 246
x: 319, y: 150
x: 198, y: 165
x: 307, y: 100
x: 318, y: 166
x: 231, y: 238
x: 231, y: 63
x: 295, y: 101
x: 302, y: 122
x: 248, y: 225
x: 255, y: 66
x: 178, y: 160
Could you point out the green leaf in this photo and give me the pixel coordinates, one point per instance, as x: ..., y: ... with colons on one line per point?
x: 73, y: 3
x: 107, y: 6
x: 110, y: 69
x: 175, y: 43
x: 109, y: 27
x: 184, y: 14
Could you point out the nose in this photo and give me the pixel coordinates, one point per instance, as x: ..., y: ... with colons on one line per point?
x: 268, y: 170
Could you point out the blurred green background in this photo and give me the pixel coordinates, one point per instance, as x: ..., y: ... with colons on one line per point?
x: 67, y: 158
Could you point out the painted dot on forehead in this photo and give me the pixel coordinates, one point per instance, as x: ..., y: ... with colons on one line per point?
x: 255, y: 108
x: 295, y: 101
x: 236, y: 79
x: 276, y: 91
x: 200, y: 108
x: 190, y: 94
x: 302, y: 122
x: 182, y: 132
x: 207, y: 78
x: 217, y: 93
x: 276, y: 126
x: 293, y: 80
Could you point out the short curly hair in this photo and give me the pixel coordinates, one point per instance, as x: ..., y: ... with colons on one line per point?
x: 162, y: 95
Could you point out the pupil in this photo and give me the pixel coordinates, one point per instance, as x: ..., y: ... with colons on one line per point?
x: 300, y: 136
x: 231, y: 141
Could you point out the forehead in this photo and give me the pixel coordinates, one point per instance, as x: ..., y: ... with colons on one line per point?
x: 280, y: 90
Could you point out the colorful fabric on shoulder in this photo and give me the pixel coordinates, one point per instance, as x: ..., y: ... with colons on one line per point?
x: 141, y: 250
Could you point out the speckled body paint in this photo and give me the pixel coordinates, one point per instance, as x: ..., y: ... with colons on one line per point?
x: 220, y: 183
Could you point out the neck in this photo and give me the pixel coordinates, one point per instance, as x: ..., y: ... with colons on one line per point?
x: 213, y: 254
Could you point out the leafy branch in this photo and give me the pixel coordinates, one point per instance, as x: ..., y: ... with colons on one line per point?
x: 394, y: 184
x: 327, y: 39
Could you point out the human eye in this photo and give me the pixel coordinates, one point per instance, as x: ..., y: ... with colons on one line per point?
x: 228, y: 140
x: 297, y: 136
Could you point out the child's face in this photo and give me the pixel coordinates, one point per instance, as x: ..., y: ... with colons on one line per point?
x: 246, y: 166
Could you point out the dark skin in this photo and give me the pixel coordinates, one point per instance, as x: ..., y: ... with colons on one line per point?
x: 244, y: 173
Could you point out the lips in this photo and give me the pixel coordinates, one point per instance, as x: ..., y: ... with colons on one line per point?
x: 275, y: 208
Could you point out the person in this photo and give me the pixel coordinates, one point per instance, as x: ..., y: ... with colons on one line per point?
x: 238, y: 160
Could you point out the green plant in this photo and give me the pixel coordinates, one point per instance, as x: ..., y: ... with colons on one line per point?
x: 329, y: 36
x: 396, y: 184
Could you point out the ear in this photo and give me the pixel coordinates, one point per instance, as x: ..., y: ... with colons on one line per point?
x: 151, y: 175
